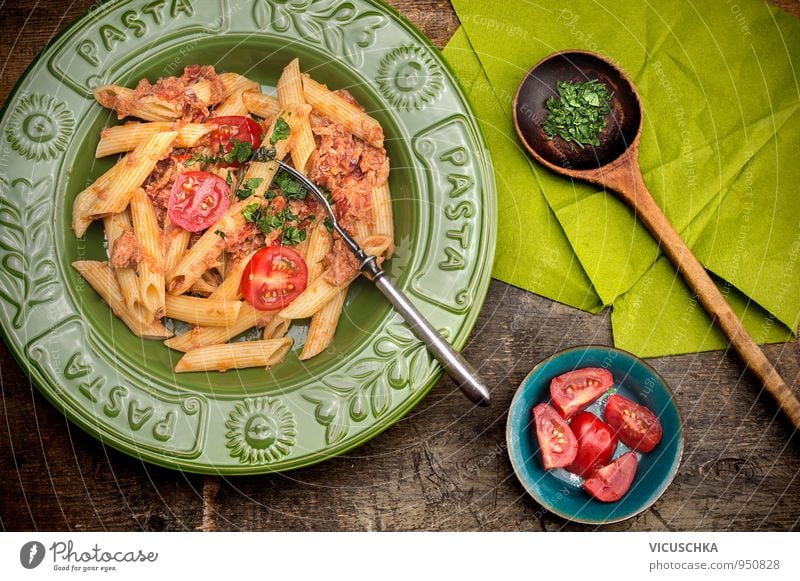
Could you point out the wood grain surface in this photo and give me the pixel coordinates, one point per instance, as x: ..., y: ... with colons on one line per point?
x: 444, y: 466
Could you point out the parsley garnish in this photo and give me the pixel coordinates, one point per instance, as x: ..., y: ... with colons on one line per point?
x: 292, y: 235
x: 291, y: 187
x: 240, y: 151
x: 220, y: 233
x: 328, y: 223
x: 248, y: 188
x: 578, y: 115
x: 281, y: 131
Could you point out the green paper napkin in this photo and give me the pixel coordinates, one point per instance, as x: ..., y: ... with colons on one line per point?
x: 721, y: 120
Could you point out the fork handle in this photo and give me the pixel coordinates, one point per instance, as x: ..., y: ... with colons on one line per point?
x: 454, y: 364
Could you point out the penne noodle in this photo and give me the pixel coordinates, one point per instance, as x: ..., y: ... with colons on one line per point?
x: 124, y: 138
x: 277, y: 327
x: 323, y: 326
x: 176, y: 239
x: 101, y: 279
x: 204, y: 336
x: 290, y: 93
x: 149, y: 108
x: 115, y: 226
x: 233, y: 105
x: 229, y: 289
x: 233, y: 82
x: 261, y: 105
x: 319, y: 245
x: 337, y: 108
x: 382, y: 220
x: 235, y: 355
x: 114, y: 192
x: 151, y: 260
x: 203, y: 312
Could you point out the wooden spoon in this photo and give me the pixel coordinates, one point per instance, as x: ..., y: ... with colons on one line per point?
x: 615, y: 165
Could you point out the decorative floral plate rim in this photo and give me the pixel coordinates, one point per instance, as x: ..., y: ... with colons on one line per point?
x: 52, y: 339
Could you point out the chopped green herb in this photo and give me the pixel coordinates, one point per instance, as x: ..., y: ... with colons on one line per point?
x: 292, y: 188
x: 248, y: 188
x: 292, y: 235
x: 328, y: 223
x: 282, y: 131
x: 264, y: 154
x: 252, y: 212
x: 229, y: 179
x: 240, y: 151
x: 578, y: 115
x: 221, y: 234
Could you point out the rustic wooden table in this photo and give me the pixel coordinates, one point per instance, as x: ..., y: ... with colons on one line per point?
x: 444, y: 466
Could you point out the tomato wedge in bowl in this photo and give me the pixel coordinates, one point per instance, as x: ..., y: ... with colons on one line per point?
x: 557, y: 444
x: 574, y: 390
x: 635, y: 425
x: 560, y: 491
x: 611, y: 482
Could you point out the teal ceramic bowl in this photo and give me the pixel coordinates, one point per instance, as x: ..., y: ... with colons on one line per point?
x: 559, y: 491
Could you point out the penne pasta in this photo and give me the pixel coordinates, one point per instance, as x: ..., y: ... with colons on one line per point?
x: 235, y: 356
x: 115, y: 226
x: 191, y: 270
x: 203, y: 312
x: 101, y: 279
x: 290, y: 93
x: 204, y: 336
x: 261, y: 105
x: 176, y: 239
x: 147, y: 108
x: 337, y: 108
x: 151, y: 260
x: 323, y: 326
x: 118, y: 184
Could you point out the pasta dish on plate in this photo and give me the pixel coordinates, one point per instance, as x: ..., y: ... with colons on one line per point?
x: 203, y: 228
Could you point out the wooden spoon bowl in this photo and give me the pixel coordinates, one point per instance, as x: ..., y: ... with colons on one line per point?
x: 615, y: 165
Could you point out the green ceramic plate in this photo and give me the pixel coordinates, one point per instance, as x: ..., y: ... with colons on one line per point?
x: 122, y: 389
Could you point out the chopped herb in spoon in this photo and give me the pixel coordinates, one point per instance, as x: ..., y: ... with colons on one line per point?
x: 578, y: 115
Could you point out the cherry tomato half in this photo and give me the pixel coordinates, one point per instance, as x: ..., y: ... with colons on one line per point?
x: 197, y: 200
x: 611, y: 482
x: 596, y: 443
x: 635, y: 425
x: 273, y: 278
x: 234, y: 127
x: 556, y: 441
x: 574, y: 390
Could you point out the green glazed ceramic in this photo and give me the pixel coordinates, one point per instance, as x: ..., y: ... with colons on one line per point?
x: 122, y: 389
x: 557, y: 490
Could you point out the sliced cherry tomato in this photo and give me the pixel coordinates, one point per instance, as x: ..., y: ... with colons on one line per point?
x: 556, y: 441
x: 611, y: 482
x: 596, y: 443
x: 574, y: 390
x: 198, y: 199
x: 234, y: 127
x: 635, y: 425
x: 273, y: 278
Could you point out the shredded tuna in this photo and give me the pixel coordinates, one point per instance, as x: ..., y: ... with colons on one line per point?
x: 159, y: 184
x: 341, y: 264
x: 349, y: 168
x: 244, y: 240
x: 126, y: 251
x: 176, y: 91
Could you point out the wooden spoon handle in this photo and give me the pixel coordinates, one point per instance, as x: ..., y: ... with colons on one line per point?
x: 633, y: 190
